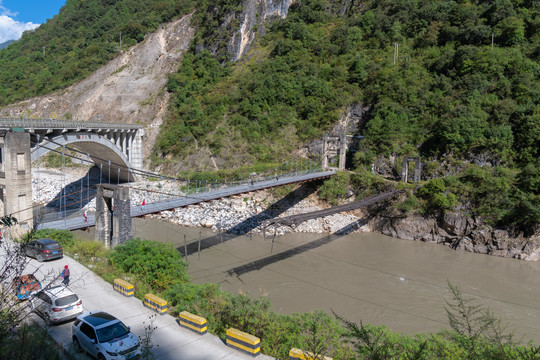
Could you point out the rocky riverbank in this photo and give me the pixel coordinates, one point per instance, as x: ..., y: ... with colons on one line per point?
x: 245, y: 213
x: 460, y: 233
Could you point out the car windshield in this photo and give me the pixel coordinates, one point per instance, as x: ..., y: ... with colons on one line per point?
x: 70, y: 299
x: 52, y: 246
x: 113, y: 331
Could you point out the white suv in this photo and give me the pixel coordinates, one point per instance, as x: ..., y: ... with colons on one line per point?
x: 105, y: 337
x: 56, y: 304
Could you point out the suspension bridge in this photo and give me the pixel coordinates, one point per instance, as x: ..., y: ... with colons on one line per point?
x: 189, y: 193
x: 112, y: 150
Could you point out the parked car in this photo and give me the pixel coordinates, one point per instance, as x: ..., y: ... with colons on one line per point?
x: 44, y: 249
x: 105, y: 337
x: 56, y: 304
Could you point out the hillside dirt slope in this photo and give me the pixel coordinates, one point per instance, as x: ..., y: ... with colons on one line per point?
x: 129, y: 89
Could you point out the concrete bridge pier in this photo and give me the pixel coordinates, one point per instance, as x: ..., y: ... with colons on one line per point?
x: 334, y: 146
x: 417, y: 169
x: 113, y: 215
x: 16, y: 179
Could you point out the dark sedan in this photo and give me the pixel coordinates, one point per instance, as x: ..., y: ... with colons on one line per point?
x: 44, y: 249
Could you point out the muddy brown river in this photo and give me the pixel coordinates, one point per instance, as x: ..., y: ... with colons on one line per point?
x: 362, y: 277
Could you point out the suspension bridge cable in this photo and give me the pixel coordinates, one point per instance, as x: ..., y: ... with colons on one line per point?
x: 54, y: 199
x: 53, y: 211
x: 146, y: 173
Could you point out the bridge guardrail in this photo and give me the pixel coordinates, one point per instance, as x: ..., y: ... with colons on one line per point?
x: 51, y: 123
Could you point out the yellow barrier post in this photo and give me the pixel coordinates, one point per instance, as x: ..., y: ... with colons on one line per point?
x: 193, y: 322
x: 244, y: 342
x: 123, y: 287
x: 155, y: 303
x: 297, y: 354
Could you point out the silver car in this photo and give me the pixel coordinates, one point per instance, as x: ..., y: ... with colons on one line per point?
x: 56, y: 304
x: 105, y: 337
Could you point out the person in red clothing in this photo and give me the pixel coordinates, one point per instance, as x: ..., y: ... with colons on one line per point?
x: 65, y: 275
x: 144, y: 202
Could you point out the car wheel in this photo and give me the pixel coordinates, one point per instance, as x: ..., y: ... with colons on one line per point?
x: 48, y: 321
x: 76, y: 345
x: 40, y: 258
x: 101, y: 357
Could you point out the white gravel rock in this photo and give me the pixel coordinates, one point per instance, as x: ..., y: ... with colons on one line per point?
x: 239, y: 214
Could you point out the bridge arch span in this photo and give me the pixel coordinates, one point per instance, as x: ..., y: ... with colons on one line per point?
x: 100, y: 149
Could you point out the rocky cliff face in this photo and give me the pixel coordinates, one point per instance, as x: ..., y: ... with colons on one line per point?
x: 460, y: 233
x: 255, y: 15
x: 129, y: 89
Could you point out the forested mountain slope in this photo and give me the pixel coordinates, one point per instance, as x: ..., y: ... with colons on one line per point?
x: 444, y: 92
x: 5, y: 44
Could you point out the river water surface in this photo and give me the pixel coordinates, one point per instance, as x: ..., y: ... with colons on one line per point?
x: 364, y: 277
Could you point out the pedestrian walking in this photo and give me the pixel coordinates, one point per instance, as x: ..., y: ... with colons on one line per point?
x: 85, y: 215
x: 65, y: 276
x: 143, y: 202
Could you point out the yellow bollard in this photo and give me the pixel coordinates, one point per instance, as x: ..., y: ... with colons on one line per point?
x: 244, y: 342
x: 192, y: 322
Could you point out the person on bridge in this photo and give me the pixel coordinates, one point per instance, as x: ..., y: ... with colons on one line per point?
x: 85, y: 215
x: 65, y: 276
x: 143, y: 202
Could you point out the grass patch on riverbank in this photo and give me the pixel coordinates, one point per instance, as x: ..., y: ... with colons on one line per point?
x: 158, y: 268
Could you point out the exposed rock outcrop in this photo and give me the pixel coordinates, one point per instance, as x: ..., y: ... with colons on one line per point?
x: 460, y: 233
x: 254, y: 16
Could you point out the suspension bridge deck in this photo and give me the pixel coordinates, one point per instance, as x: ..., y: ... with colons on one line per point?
x: 76, y: 221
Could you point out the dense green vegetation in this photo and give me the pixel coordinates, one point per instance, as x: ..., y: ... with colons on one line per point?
x: 448, y: 91
x: 85, y: 35
x: 449, y: 95
x: 474, y: 331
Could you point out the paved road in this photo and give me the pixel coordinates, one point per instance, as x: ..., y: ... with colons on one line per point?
x: 170, y: 340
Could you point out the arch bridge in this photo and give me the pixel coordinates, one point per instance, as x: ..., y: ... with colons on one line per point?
x: 115, y: 148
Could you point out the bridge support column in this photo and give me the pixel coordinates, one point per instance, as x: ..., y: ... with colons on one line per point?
x: 124, y: 144
x: 113, y: 217
x: 334, y: 146
x: 137, y: 154
x: 417, y: 169
x: 342, y: 151
x: 130, y: 137
x: 405, y: 170
x: 325, y: 153
x: 17, y: 180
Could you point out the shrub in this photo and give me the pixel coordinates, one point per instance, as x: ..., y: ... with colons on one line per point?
x: 158, y: 264
x: 437, y: 196
x: 366, y: 184
x: 88, y: 249
x: 334, y: 188
x: 206, y: 300
x: 410, y: 204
